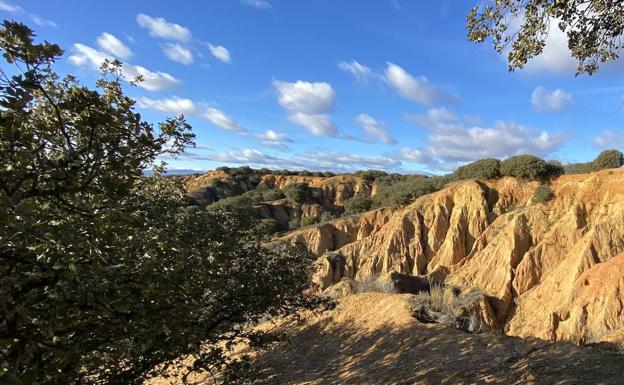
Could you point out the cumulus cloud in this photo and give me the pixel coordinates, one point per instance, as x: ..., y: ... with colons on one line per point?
x: 412, y: 155
x: 375, y: 128
x: 556, y: 56
x: 185, y: 106
x: 161, y: 28
x: 259, y: 4
x: 220, y: 52
x: 272, y: 136
x: 451, y: 143
x: 544, y: 100
x: 152, y: 81
x: 610, y: 139
x: 309, y: 105
x: 178, y: 53
x: 168, y: 105
x: 112, y: 45
x: 220, y: 119
x: 417, y: 89
x: 360, y: 71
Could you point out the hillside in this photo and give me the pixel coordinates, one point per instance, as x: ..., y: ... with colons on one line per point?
x: 549, y: 270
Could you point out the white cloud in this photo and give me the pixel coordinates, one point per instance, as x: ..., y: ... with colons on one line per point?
x: 360, y: 71
x: 161, y: 28
x: 259, y: 4
x: 550, y: 101
x: 318, y: 160
x: 556, y: 56
x: 152, y: 81
x: 451, y: 143
x: 220, y: 119
x: 178, y: 53
x: 308, y: 105
x: 220, y: 52
x: 412, y: 155
x: 16, y: 9
x: 375, y: 129
x: 417, y: 89
x: 42, y: 22
x: 113, y: 46
x: 610, y: 139
x: 272, y: 136
x: 168, y: 105
x: 10, y: 8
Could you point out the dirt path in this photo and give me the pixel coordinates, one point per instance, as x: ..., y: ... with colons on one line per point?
x: 373, y: 339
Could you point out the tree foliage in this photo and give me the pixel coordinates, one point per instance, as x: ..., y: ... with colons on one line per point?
x: 358, y: 204
x: 524, y: 167
x: 608, y: 159
x: 542, y: 194
x: 520, y: 27
x: 297, y: 193
x: 480, y: 169
x: 107, y: 274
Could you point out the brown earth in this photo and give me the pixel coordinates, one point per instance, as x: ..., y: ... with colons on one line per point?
x: 551, y: 270
x: 373, y: 338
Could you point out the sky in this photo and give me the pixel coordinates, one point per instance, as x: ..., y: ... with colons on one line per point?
x: 335, y: 85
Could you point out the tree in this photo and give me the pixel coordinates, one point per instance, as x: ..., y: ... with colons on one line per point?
x: 525, y: 167
x: 480, y: 169
x: 107, y: 274
x: 358, y: 204
x: 297, y: 193
x: 593, y: 29
x: 608, y: 159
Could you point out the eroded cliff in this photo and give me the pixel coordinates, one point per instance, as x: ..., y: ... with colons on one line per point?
x: 553, y: 270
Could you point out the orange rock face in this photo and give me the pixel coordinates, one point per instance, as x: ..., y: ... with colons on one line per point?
x: 555, y: 270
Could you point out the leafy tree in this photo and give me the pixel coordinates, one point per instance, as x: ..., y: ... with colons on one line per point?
x: 107, y: 274
x: 593, y: 29
x: 608, y: 159
x: 297, y: 193
x: 525, y: 167
x: 358, y: 204
x: 579, y: 168
x: 480, y: 169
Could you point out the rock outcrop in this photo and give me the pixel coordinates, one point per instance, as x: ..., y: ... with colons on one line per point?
x: 552, y: 270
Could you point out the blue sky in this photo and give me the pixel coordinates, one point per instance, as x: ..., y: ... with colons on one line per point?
x: 335, y: 85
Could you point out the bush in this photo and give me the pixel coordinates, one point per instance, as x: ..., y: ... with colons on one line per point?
x: 296, y: 193
x: 272, y: 195
x: 309, y: 221
x: 358, y: 204
x: 370, y: 175
x: 327, y: 216
x: 579, y: 168
x: 267, y: 226
x: 608, y: 159
x: 294, y: 224
x: 481, y: 169
x: 524, y: 167
x: 543, y: 193
x: 396, y: 191
x: 555, y: 168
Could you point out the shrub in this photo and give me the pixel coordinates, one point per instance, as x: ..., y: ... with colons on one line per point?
x: 543, y: 193
x: 524, y: 167
x: 555, y: 168
x: 309, y: 221
x: 608, y: 159
x: 328, y: 174
x: 272, y: 195
x: 400, y: 191
x: 294, y: 224
x: 480, y: 169
x: 358, y: 204
x: 327, y: 216
x: 370, y: 175
x: 296, y: 193
x: 267, y: 226
x: 579, y: 168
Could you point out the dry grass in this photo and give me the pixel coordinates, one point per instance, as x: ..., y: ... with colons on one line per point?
x: 449, y: 307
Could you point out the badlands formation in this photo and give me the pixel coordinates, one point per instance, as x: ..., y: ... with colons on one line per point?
x: 551, y: 270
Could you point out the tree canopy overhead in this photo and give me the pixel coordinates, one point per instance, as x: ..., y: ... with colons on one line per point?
x: 519, y: 28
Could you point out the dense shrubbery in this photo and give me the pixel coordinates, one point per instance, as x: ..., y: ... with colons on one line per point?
x: 297, y: 193
x: 370, y: 175
x: 605, y: 160
x: 309, y: 221
x: 480, y: 169
x: 400, y: 191
x: 524, y: 167
x: 608, y: 159
x: 543, y: 193
x: 358, y: 204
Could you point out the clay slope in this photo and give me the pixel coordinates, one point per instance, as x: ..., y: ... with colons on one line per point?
x: 552, y: 270
x: 374, y: 339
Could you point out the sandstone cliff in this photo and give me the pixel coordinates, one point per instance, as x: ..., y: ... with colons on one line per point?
x: 553, y: 270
